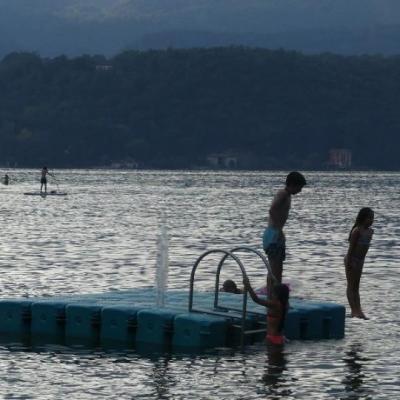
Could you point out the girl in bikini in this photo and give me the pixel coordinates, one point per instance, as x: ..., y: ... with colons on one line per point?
x: 277, y: 307
x: 359, y: 241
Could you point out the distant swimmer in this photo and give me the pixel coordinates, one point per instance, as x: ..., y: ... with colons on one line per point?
x: 6, y: 179
x: 43, y: 179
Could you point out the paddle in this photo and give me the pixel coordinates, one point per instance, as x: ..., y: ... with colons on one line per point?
x: 55, y: 180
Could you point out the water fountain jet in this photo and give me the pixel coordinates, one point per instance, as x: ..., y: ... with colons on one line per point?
x: 162, y: 263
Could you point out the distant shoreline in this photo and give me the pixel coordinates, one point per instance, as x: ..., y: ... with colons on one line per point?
x: 97, y: 168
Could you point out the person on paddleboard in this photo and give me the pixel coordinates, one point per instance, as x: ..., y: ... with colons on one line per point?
x: 43, y: 179
x: 6, y: 179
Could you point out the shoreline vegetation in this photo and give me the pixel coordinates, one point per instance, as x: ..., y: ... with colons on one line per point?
x: 200, y: 109
x: 6, y: 169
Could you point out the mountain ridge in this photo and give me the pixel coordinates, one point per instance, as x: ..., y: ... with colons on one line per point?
x: 107, y: 26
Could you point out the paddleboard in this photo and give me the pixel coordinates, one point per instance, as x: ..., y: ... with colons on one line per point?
x: 45, y: 194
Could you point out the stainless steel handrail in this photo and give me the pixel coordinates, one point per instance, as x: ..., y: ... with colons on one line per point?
x: 192, y: 275
x: 235, y: 250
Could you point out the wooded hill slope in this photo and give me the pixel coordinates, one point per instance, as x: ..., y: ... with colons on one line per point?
x: 172, y: 109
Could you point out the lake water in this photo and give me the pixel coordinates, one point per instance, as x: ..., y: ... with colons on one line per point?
x: 103, y: 236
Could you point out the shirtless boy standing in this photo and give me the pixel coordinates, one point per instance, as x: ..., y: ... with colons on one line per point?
x: 274, y: 238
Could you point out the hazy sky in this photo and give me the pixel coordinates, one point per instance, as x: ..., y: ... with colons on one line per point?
x: 107, y: 26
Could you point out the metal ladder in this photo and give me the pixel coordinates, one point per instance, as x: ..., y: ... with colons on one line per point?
x: 224, y: 311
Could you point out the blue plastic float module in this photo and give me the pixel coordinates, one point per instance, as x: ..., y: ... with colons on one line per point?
x: 131, y: 317
x: 15, y: 316
x: 118, y: 324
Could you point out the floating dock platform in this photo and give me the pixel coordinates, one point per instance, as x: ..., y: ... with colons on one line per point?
x: 131, y: 318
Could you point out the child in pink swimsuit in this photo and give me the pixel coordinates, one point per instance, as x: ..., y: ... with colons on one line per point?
x: 277, y: 307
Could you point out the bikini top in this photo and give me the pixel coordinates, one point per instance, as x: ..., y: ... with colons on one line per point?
x: 365, y: 239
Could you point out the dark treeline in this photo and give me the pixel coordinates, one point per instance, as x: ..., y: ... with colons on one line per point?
x: 171, y: 109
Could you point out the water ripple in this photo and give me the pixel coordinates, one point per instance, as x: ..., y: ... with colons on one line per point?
x: 103, y: 236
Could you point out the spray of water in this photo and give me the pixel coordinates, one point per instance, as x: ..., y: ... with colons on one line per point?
x: 162, y: 263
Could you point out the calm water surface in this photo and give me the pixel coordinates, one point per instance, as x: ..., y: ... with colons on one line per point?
x: 103, y: 237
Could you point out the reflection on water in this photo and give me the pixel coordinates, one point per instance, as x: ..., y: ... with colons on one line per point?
x: 103, y: 236
x: 353, y: 381
x: 274, y: 370
x: 163, y: 379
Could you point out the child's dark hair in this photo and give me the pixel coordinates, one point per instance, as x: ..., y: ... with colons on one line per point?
x: 364, y: 213
x: 230, y: 286
x: 281, y: 292
x: 295, y: 178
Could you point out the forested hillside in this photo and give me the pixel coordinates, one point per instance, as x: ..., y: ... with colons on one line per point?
x: 172, y: 109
